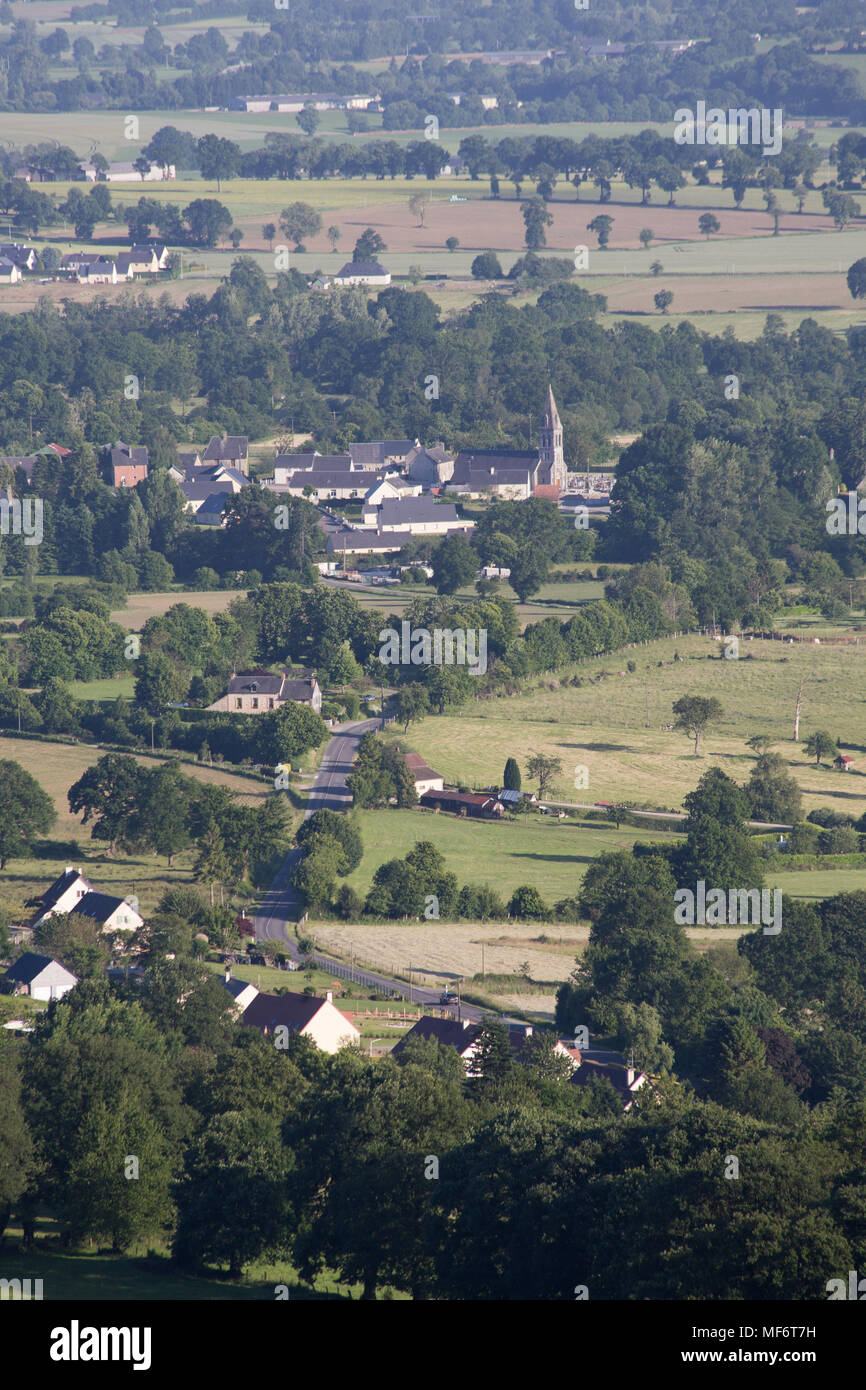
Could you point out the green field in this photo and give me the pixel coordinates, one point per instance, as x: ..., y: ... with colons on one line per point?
x: 602, y: 726
x: 552, y: 855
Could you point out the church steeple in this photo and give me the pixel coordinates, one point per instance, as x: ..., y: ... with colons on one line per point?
x: 550, y: 445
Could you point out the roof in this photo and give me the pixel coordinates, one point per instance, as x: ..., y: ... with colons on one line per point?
x: 418, y: 767
x: 229, y: 446
x: 30, y: 965
x: 405, y: 510
x: 56, y: 890
x: 328, y: 463
x: 196, y: 492
x: 448, y: 1032
x: 122, y: 455
x: 509, y: 797
x: 360, y: 268
x: 99, y: 906
x: 378, y: 450
x: 237, y: 987
x: 292, y: 1011
x: 470, y: 464
x: 367, y: 540
x: 256, y: 683
x: 461, y: 798
x: 359, y: 480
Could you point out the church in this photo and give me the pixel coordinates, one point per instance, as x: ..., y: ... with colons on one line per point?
x: 515, y: 474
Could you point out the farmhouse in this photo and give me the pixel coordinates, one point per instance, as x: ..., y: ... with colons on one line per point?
x: 843, y: 762
x: 39, y: 976
x: 424, y: 777
x: 363, y: 273
x: 420, y: 516
x: 463, y: 1036
x: 314, y: 1018
x: 477, y: 804
x: 257, y: 692
x: 344, y: 484
x: 431, y: 466
x: 22, y: 256
x: 625, y: 1080
x: 201, y: 494
x: 10, y: 273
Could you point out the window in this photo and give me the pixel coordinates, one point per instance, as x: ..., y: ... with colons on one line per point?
x: 270, y: 704
x: 255, y: 703
x: 239, y: 704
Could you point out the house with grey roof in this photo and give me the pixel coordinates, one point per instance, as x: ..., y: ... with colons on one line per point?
x: 38, y: 976
x: 112, y: 914
x: 363, y: 273
x: 10, y: 273
x: 420, y: 516
x: 259, y: 692
x: 125, y: 464
x: 229, y: 449
x: 281, y: 1015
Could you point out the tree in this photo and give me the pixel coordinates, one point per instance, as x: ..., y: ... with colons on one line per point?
x: 159, y: 681
x: 454, y: 564
x: 708, y: 224
x: 207, y: 220
x: 308, y: 120
x: 333, y: 235
x: 718, y: 797
x: 529, y: 570
x: 527, y: 904
x: 368, y: 246
x: 820, y: 745
x: 663, y: 300
x: 601, y: 225
x: 452, y: 242
x: 17, y: 1160
x: 656, y: 268
x: 693, y: 713
x: 25, y: 811
x: 299, y: 220
x: 217, y: 158
x: 418, y: 205
x: 857, y: 278
x: 486, y: 266
x: 543, y: 768
x: 413, y: 703
x: 773, y: 794
x: 645, y: 236
x: 341, y: 828
x: 511, y: 776
x: 535, y: 219
x: 269, y: 233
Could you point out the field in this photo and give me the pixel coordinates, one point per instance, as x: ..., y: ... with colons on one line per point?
x: 602, y: 726
x: 550, y: 854
x: 56, y: 766
x: 140, y: 607
x: 552, y: 600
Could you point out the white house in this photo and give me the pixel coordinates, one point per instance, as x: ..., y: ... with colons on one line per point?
x: 363, y: 273
x: 39, y: 976
x: 10, y: 273
x: 113, y: 914
x: 64, y: 894
x: 423, y: 775
x: 258, y: 692
x: 314, y: 1018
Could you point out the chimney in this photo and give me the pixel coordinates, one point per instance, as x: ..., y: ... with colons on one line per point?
x: 527, y: 1032
x: 228, y: 973
x: 329, y: 996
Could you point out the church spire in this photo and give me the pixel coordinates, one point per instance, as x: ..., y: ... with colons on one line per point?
x: 551, y: 458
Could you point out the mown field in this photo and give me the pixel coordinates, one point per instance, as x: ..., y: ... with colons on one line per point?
x: 602, y: 725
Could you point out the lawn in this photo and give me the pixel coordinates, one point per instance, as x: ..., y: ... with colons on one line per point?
x: 140, y: 607
x: 602, y: 725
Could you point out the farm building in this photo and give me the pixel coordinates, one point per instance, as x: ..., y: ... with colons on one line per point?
x: 39, y: 976
x: 314, y: 1018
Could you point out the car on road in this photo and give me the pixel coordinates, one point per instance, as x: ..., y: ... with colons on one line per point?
x: 448, y: 998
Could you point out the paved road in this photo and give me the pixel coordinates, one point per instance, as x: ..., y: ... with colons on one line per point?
x: 282, y: 904
x: 657, y: 815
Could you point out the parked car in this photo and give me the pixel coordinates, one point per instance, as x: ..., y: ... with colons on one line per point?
x: 448, y: 998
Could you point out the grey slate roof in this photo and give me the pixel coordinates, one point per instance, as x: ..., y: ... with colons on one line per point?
x: 28, y: 967
x: 99, y: 906
x: 378, y: 450
x: 229, y: 446
x: 360, y: 268
x: 56, y: 890
x: 405, y: 510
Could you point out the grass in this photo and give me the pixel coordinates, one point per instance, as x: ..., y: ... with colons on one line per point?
x: 551, y: 854
x: 601, y: 726
x: 140, y: 607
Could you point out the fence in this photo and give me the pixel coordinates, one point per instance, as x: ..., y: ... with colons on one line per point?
x: 836, y: 641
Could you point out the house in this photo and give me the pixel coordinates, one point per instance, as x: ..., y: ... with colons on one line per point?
x: 363, y: 273
x: 243, y: 993
x: 387, y: 489
x: 257, y: 692
x: 124, y: 171
x: 63, y: 895
x: 378, y: 452
x: 113, y: 914
x: 22, y: 461
x: 39, y: 976
x: 430, y: 466
x: 148, y: 257
x: 312, y: 1017
x: 843, y: 762
x: 476, y: 804
x: 212, y: 510
x: 287, y: 465
x: 420, y: 516
x: 23, y: 256
x: 99, y: 272
x: 351, y: 541
x: 229, y: 449
x: 199, y: 494
x: 345, y: 485
x: 424, y: 777
x: 609, y: 1066
x: 10, y: 273
x: 125, y: 464
x: 460, y: 1034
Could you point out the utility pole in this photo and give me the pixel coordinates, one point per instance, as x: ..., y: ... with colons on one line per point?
x: 646, y: 706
